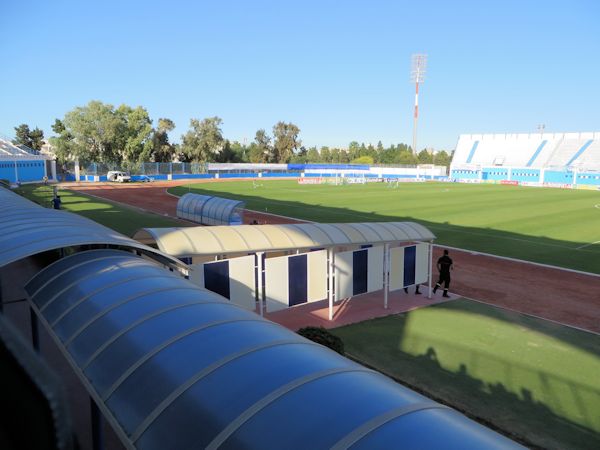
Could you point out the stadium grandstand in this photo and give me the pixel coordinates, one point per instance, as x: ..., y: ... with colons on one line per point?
x: 20, y: 164
x: 544, y: 159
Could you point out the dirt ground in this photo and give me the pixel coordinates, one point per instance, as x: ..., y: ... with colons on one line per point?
x: 563, y: 296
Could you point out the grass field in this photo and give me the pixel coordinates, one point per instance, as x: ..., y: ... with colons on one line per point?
x: 552, y: 226
x: 528, y: 376
x: 120, y: 218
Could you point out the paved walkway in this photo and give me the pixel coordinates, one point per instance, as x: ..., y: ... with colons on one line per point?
x: 354, y: 310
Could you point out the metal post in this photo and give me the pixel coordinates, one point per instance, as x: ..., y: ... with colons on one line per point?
x: 330, y: 280
x: 416, y: 118
x: 96, y: 417
x: 430, y: 266
x: 260, y: 287
x: 417, y: 73
x: 386, y: 274
x: 35, y: 330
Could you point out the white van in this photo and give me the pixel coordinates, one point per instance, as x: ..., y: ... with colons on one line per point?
x: 119, y: 177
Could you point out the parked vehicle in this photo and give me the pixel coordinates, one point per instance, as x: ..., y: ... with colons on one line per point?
x: 119, y: 177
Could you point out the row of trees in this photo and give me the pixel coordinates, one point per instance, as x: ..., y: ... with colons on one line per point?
x: 124, y: 136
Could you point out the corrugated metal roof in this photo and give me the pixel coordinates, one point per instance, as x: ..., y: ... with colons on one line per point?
x: 9, y: 151
x: 173, y: 366
x: 27, y: 229
x: 196, y: 241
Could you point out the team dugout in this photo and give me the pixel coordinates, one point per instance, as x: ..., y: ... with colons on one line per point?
x: 292, y: 264
x: 209, y: 210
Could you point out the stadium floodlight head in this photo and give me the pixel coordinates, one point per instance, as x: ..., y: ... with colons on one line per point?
x: 418, y: 68
x: 417, y: 75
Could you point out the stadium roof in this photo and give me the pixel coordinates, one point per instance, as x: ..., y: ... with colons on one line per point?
x: 10, y: 151
x: 217, y: 240
x: 27, y: 229
x: 174, y: 366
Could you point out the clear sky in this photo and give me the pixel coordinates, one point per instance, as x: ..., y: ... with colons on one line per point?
x: 337, y: 69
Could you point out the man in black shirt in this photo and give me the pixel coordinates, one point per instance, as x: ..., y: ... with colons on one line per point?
x: 444, y: 266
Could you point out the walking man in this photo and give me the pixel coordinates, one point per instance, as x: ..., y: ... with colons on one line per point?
x: 444, y: 265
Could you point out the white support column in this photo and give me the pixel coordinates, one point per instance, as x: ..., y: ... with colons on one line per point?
x: 509, y: 173
x: 575, y: 177
x: 542, y: 174
x: 260, y: 287
x: 430, y: 267
x: 330, y: 280
x: 53, y: 169
x: 77, y: 170
x: 386, y: 274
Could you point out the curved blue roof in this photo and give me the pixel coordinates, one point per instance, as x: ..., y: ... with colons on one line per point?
x: 209, y: 210
x: 173, y: 366
x: 27, y: 229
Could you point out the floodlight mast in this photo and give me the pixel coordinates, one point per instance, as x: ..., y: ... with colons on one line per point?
x: 417, y: 75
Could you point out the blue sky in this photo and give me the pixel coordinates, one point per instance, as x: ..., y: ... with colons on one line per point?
x: 338, y: 70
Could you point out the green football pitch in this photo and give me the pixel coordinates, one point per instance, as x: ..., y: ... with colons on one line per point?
x: 527, y: 376
x: 551, y: 226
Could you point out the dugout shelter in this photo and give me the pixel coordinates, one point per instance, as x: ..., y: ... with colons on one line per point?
x: 210, y: 210
x: 280, y: 266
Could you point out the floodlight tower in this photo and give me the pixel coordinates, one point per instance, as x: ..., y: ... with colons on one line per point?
x: 417, y: 75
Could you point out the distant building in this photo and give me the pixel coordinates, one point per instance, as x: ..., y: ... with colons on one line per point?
x: 22, y: 164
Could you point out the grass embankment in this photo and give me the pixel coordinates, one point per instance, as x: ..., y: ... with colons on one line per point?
x: 118, y: 217
x: 551, y: 226
x: 529, y: 377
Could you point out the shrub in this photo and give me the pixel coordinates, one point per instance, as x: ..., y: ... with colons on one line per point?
x: 322, y: 336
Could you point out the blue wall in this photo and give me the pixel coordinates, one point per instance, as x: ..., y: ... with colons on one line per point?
x: 592, y: 178
x: 525, y: 175
x: 562, y: 177
x: 26, y: 170
x: 494, y: 173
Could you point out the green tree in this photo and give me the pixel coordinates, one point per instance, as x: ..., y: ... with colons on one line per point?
x: 353, y: 150
x: 204, y: 141
x: 325, y: 154
x: 91, y: 133
x: 262, y: 151
x: 29, y: 138
x: 363, y: 160
x: 162, y: 149
x: 285, y: 141
x: 442, y: 158
x: 240, y: 152
x: 312, y: 156
x: 135, y: 143
x: 22, y: 135
x: 424, y: 157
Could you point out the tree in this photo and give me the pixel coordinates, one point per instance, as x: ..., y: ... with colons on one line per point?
x: 325, y: 154
x: 424, y: 157
x: 312, y: 156
x: 262, y: 150
x: 29, y: 138
x: 353, y: 150
x: 135, y: 143
x: 204, y: 141
x: 162, y: 149
x: 286, y: 141
x: 442, y: 159
x: 91, y: 133
x: 363, y: 160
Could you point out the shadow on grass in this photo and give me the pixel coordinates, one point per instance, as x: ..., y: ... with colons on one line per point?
x: 529, y: 248
x: 119, y: 218
x: 528, y: 403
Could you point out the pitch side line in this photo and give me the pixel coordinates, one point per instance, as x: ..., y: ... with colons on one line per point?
x: 587, y: 245
x: 473, y: 252
x: 530, y: 315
